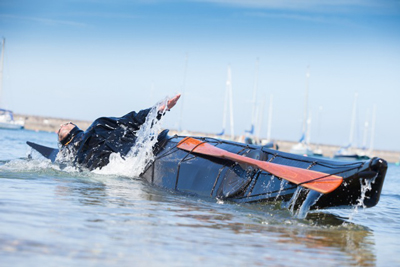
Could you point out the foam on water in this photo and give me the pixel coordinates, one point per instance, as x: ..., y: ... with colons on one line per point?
x: 20, y: 165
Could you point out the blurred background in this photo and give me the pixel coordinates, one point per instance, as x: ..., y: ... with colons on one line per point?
x: 292, y: 63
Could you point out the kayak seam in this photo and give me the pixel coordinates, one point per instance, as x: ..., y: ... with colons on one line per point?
x: 253, y: 184
x: 179, y: 168
x: 217, y: 179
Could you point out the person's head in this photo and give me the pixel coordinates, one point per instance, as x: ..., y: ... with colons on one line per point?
x: 67, y: 132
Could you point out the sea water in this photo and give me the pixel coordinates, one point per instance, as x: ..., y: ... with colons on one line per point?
x: 52, y: 216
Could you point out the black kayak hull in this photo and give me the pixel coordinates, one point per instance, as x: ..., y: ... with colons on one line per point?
x: 208, y: 176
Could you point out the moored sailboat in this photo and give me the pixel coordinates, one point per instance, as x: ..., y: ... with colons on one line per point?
x: 7, y: 120
x: 6, y: 116
x: 351, y: 152
x: 228, y: 102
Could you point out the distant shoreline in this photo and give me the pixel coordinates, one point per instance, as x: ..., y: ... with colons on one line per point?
x: 49, y: 124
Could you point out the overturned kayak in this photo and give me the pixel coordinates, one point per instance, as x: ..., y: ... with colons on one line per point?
x: 212, y: 175
x: 245, y: 173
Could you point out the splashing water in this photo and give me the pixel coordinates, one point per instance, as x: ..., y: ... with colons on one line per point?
x: 311, y: 199
x: 365, y: 187
x: 65, y: 159
x: 27, y: 166
x: 290, y: 204
x: 141, y: 154
x: 281, y: 187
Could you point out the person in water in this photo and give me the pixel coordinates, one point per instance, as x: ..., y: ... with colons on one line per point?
x: 91, y: 149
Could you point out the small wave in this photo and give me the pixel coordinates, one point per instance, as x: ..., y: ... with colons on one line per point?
x: 26, y: 165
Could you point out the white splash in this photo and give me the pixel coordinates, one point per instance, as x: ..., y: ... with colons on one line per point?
x: 365, y: 187
x: 22, y: 165
x: 290, y: 205
x: 35, y: 162
x: 40, y: 165
x: 141, y: 154
x: 311, y: 199
x: 66, y: 157
x: 281, y: 187
x: 220, y: 201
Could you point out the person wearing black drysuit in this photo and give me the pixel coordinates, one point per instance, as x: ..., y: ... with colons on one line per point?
x: 91, y: 149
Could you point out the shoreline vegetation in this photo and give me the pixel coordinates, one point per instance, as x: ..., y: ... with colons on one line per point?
x: 49, y: 124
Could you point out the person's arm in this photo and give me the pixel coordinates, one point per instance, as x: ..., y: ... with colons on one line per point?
x: 137, y: 118
x: 140, y: 117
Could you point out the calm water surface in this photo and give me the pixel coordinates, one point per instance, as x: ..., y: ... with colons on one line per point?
x: 53, y: 217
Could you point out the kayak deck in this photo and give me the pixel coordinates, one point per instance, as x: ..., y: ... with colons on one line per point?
x: 209, y: 176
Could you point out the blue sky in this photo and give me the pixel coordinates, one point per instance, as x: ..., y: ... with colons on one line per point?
x: 85, y: 59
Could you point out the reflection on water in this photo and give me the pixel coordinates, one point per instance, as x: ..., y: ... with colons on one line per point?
x: 71, y: 218
x: 325, y: 236
x: 111, y: 220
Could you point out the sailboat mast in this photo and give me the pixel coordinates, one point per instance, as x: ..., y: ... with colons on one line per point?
x: 226, y: 101
x: 365, y: 134
x: 308, y: 135
x: 269, y: 118
x: 229, y: 86
x: 254, y: 111
x: 260, y: 118
x: 225, y: 112
x: 1, y: 70
x: 319, y: 119
x: 371, y: 144
x: 183, y: 92
x: 353, y: 120
x: 306, y: 104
